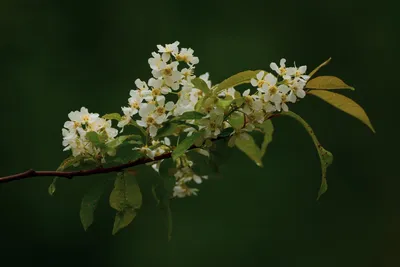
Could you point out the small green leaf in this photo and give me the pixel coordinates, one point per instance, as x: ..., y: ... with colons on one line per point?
x: 238, y: 102
x: 327, y: 83
x: 246, y: 144
x: 224, y: 103
x: 125, y: 198
x: 89, y: 204
x: 190, y: 115
x: 186, y: 144
x: 325, y: 156
x: 320, y: 66
x: 112, y: 116
x: 268, y: 128
x: 236, y: 120
x: 123, y: 219
x: 345, y: 104
x: 201, y: 85
x: 52, y: 186
x: 237, y: 79
x: 226, y: 132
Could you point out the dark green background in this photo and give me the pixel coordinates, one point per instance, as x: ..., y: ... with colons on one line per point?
x: 57, y: 56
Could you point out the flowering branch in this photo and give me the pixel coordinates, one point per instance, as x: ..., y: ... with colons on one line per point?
x: 175, y: 111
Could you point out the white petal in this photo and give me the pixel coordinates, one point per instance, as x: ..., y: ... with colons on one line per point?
x: 153, y: 130
x: 292, y: 97
x: 169, y: 106
x: 274, y: 67
x: 282, y: 62
x: 300, y: 93
x: 303, y: 69
x: 285, y: 107
x: 260, y: 75
x: 253, y: 82
x: 283, y: 88
x: 141, y: 123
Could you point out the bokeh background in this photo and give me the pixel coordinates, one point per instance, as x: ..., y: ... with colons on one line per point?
x: 57, y: 56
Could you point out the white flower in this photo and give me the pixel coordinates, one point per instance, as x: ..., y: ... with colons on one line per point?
x: 148, y: 118
x: 158, y: 87
x: 82, y: 116
x: 298, y: 72
x: 260, y: 82
x: 297, y: 90
x: 186, y: 54
x: 206, y: 77
x: 183, y: 191
x: 126, y: 119
x: 281, y: 70
x: 168, y: 49
x: 157, y: 62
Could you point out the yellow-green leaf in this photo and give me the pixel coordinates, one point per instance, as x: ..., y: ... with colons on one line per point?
x: 326, y: 157
x: 246, y: 144
x: 327, y: 83
x: 201, y: 85
x: 237, y: 79
x: 345, y: 104
x: 320, y: 66
x: 123, y: 219
x: 112, y: 116
x: 186, y: 144
x: 236, y: 120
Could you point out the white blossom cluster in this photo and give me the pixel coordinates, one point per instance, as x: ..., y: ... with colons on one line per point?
x: 150, y: 107
x: 82, y: 122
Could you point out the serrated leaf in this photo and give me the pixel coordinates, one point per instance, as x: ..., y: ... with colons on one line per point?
x: 190, y: 115
x: 125, y: 198
x: 112, y: 116
x: 246, y: 144
x: 89, y: 204
x: 326, y: 157
x: 345, y: 104
x: 201, y: 85
x: 123, y: 219
x: 320, y: 66
x: 186, y: 144
x: 327, y: 83
x: 237, y: 79
x: 268, y: 128
x: 236, y: 120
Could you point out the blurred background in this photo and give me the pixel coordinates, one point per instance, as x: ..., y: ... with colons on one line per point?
x: 57, y: 56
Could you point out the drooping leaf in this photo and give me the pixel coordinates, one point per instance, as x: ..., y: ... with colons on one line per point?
x: 126, y: 198
x: 320, y: 66
x: 201, y: 85
x: 112, y: 116
x: 236, y: 120
x: 327, y: 83
x: 246, y: 143
x: 268, y: 128
x: 89, y: 204
x: 123, y: 219
x: 186, y: 144
x: 52, y: 186
x: 190, y: 115
x: 325, y: 156
x: 345, y: 104
x: 237, y: 79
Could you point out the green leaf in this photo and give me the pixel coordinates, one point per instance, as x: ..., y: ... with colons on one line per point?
x: 345, y: 104
x: 325, y: 156
x: 246, y: 144
x: 89, y: 204
x: 224, y: 103
x: 96, y: 139
x: 237, y: 79
x: 268, y: 128
x: 201, y: 85
x: 112, y: 116
x: 167, y: 130
x: 190, y: 115
x: 226, y: 132
x: 123, y: 219
x: 320, y: 66
x: 121, y: 139
x: 186, y: 144
x: 236, y: 120
x: 327, y: 83
x: 125, y: 198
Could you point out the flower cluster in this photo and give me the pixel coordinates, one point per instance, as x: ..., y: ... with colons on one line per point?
x: 81, y: 122
x: 171, y: 92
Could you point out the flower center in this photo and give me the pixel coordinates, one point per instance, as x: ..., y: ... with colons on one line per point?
x: 160, y: 110
x: 156, y: 92
x: 150, y: 120
x: 273, y: 90
x: 135, y: 105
